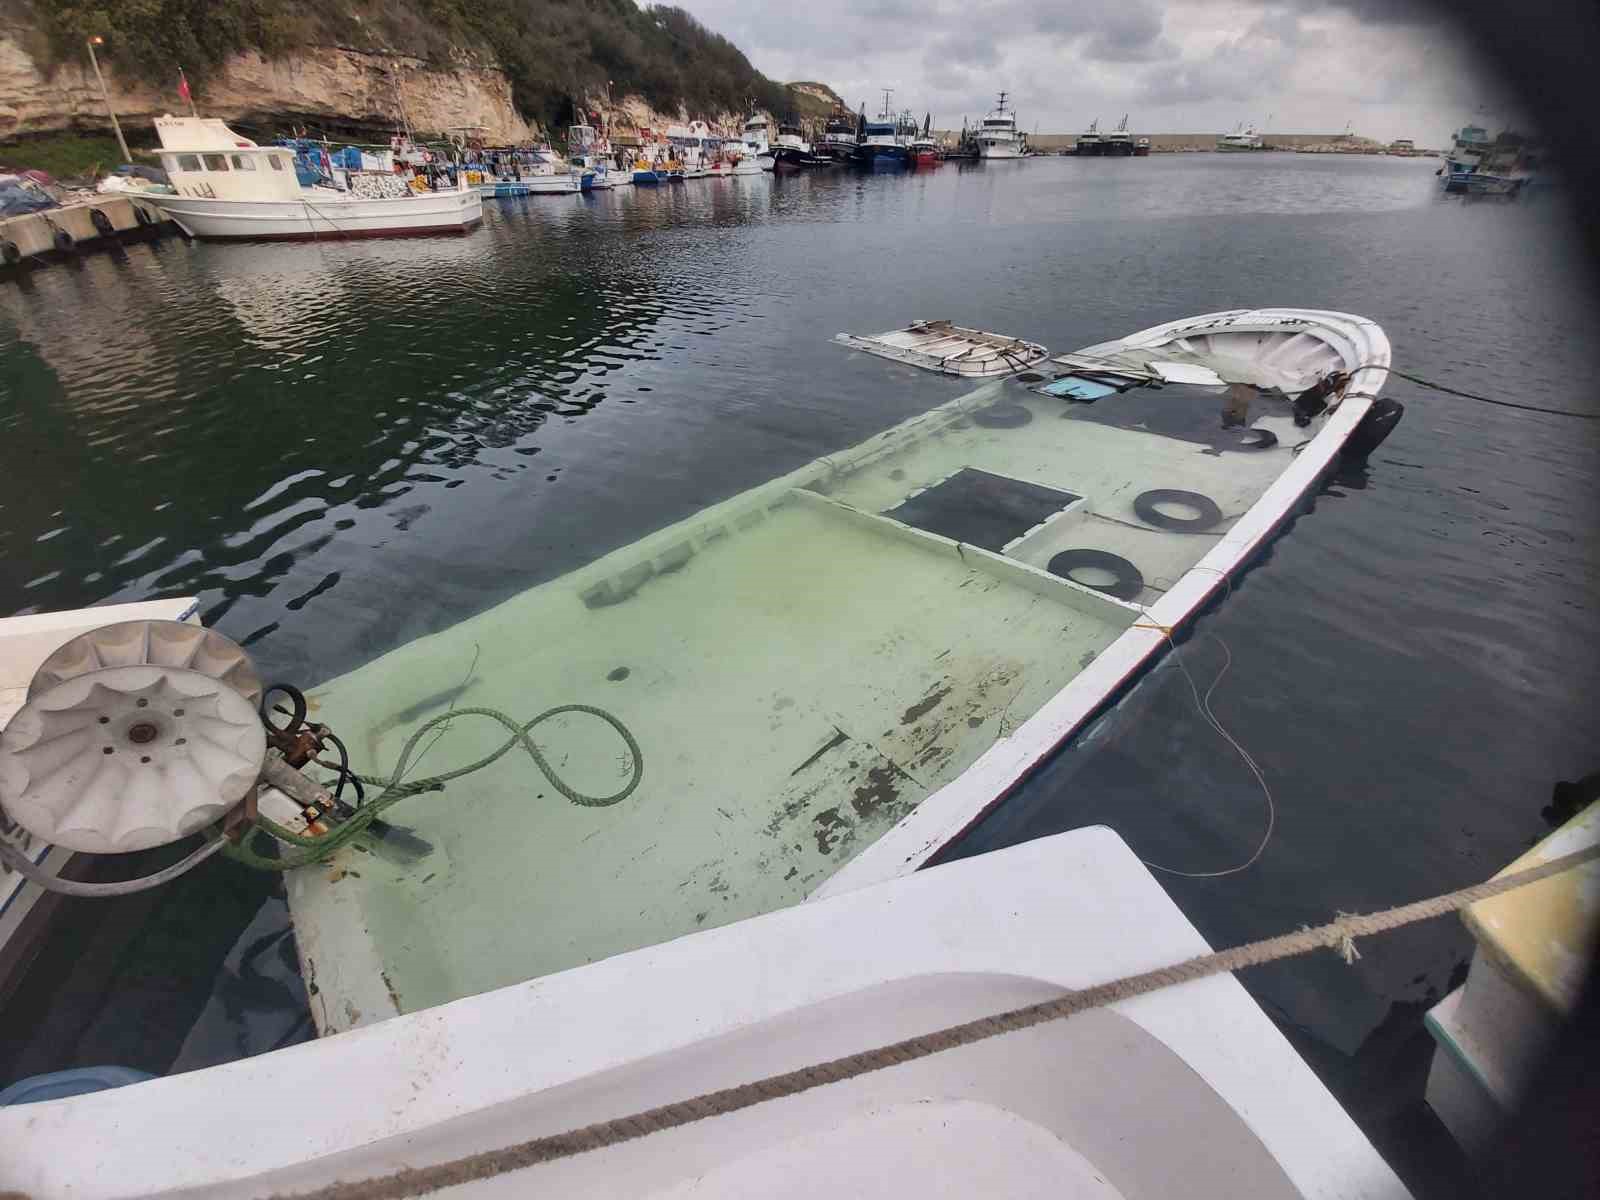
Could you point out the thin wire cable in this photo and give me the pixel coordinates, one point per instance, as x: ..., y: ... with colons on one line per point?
x: 1203, y: 707
x: 1450, y: 391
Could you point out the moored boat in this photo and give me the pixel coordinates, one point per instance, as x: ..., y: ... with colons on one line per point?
x: 841, y: 136
x: 791, y: 152
x: 699, y: 626
x: 882, y: 147
x: 997, y: 134
x: 758, y: 148
x: 925, y: 147
x: 1119, y: 142
x: 1141, y: 147
x: 589, y: 150
x: 1090, y: 143
x: 1242, y: 138
x: 227, y: 187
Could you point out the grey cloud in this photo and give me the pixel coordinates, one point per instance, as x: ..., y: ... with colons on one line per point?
x: 965, y: 49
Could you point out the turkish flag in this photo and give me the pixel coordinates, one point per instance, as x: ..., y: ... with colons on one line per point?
x: 183, y: 85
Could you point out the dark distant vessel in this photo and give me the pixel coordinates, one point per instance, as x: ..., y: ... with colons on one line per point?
x: 1119, y: 142
x: 841, y: 137
x: 1090, y: 143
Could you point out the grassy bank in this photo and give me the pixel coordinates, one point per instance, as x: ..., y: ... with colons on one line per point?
x: 64, y: 155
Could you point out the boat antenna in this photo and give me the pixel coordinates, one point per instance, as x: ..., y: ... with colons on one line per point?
x: 887, y: 92
x: 400, y: 96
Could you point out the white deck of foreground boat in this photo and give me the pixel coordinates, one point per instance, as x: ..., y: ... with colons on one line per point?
x: 800, y: 672
x: 1186, y: 1092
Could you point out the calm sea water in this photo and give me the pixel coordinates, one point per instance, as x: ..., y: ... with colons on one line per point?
x: 339, y: 447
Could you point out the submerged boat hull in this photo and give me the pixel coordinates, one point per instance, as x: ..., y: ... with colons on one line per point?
x: 819, y: 704
x: 426, y: 213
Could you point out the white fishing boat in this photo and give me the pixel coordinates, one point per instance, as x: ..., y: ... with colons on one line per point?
x: 590, y: 152
x: 951, y: 349
x: 758, y: 147
x: 1239, y: 139
x: 832, y: 675
x: 225, y: 186
x: 1188, y: 1091
x: 997, y: 134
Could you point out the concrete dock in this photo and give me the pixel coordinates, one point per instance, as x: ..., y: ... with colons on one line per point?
x: 98, y: 223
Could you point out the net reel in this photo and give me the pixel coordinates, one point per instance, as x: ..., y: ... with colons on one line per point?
x: 136, y: 735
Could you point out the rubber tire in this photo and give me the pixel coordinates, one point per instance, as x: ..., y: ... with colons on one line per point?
x: 1002, y: 416
x: 1129, y: 582
x: 101, y: 222
x: 1144, y: 506
x: 10, y: 254
x: 141, y: 216
x: 63, y: 241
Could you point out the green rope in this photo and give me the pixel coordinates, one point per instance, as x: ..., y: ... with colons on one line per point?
x: 319, y: 849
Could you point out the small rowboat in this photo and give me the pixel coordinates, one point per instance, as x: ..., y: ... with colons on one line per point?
x: 951, y: 349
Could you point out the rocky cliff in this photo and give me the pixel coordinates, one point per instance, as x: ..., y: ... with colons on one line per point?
x: 318, y: 85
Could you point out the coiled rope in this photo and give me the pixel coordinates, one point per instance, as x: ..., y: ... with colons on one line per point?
x: 318, y: 849
x: 1338, y: 935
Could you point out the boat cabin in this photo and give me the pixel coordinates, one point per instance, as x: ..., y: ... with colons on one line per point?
x: 203, y: 157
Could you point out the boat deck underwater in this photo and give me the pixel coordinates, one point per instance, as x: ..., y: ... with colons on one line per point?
x: 800, y: 670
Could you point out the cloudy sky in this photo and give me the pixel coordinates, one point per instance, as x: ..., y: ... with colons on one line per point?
x: 1298, y: 66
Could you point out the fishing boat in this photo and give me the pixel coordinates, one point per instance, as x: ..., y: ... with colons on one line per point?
x: 841, y: 136
x: 925, y: 147
x: 791, y: 152
x: 997, y: 135
x: 797, y: 739
x: 1119, y: 142
x: 225, y: 187
x: 1241, y: 138
x: 590, y: 151
x: 882, y: 146
x: 689, y: 149
x: 757, y: 146
x: 1090, y: 143
x: 1141, y: 147
x: 1468, y: 146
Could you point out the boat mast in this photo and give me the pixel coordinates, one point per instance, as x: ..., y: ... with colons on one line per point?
x: 887, y: 93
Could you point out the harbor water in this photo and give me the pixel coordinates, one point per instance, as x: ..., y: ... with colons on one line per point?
x: 340, y: 447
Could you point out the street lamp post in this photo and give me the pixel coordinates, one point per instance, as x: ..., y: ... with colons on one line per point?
x: 105, y: 95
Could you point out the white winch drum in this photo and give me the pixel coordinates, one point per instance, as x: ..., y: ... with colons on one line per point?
x: 129, y: 757
x: 151, y: 643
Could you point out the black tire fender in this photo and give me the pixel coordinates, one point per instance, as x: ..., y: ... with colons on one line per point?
x: 1144, y: 506
x: 1127, y: 585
